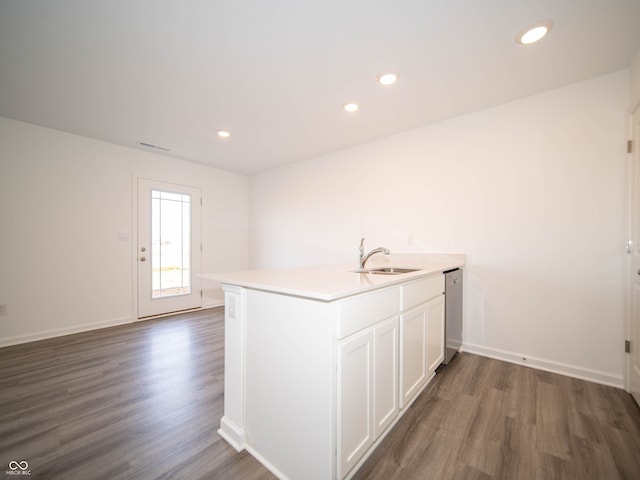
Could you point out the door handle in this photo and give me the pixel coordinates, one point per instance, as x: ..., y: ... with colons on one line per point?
x: 143, y: 259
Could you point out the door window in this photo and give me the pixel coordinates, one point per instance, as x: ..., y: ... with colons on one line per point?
x: 170, y: 244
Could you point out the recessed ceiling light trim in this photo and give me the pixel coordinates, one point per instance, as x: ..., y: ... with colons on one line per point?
x: 387, y: 78
x: 350, y: 107
x: 534, y: 33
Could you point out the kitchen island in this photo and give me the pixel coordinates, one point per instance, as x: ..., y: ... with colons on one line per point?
x: 320, y: 362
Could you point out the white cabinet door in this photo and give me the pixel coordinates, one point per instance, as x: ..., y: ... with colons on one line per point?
x: 385, y: 375
x: 413, y: 352
x: 435, y: 334
x: 355, y: 397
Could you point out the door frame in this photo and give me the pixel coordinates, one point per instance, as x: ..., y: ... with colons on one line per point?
x: 632, y: 198
x: 135, y: 176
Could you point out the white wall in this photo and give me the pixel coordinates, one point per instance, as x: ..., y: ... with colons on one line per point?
x: 533, y: 193
x: 64, y: 200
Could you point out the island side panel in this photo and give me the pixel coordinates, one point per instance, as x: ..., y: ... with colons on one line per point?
x: 232, y: 424
x: 290, y: 380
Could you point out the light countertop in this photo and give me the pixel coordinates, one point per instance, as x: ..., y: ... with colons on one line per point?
x: 331, y: 282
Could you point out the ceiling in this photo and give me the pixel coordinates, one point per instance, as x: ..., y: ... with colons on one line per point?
x: 276, y: 73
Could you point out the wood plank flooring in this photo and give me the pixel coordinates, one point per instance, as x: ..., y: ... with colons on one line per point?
x: 144, y: 401
x: 140, y: 401
x: 485, y: 419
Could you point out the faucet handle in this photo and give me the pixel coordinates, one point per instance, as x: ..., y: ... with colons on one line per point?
x: 362, y: 246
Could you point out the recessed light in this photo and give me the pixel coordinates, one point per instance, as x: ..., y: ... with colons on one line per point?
x: 387, y: 78
x: 223, y: 134
x: 535, y: 32
x: 350, y: 107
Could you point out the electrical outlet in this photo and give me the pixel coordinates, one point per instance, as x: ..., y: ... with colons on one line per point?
x: 3, y: 308
x: 232, y: 307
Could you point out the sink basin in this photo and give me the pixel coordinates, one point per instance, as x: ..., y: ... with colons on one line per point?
x: 393, y: 270
x: 388, y: 270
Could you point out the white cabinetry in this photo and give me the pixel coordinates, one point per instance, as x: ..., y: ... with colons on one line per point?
x: 317, y: 384
x: 367, y: 394
x: 355, y: 398
x: 385, y: 378
x: 367, y: 390
x: 435, y: 334
x: 421, y: 334
x: 413, y: 351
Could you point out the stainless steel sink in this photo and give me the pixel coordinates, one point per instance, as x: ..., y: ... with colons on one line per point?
x: 387, y: 270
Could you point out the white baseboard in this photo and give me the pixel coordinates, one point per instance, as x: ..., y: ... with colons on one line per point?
x: 591, y: 375
x: 267, y: 464
x: 233, y: 434
x: 33, y: 337
x: 212, y: 304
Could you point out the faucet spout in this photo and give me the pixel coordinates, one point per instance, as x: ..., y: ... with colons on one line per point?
x: 364, y: 258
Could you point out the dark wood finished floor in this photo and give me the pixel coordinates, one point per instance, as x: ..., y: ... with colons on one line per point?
x: 485, y: 419
x: 144, y: 401
x: 140, y: 401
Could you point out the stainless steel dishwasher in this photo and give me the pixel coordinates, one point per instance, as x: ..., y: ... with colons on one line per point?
x: 452, y: 313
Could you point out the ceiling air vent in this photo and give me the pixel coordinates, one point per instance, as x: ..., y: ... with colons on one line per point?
x: 157, y: 147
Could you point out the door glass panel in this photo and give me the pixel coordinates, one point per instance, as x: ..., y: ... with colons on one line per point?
x: 170, y: 244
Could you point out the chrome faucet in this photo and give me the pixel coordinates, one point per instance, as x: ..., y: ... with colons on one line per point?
x: 364, y: 258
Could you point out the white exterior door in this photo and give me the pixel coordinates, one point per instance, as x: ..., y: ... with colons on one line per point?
x: 633, y: 358
x: 169, y: 248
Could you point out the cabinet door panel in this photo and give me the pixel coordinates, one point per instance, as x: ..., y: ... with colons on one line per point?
x: 385, y: 383
x: 435, y: 334
x: 362, y: 311
x: 355, y: 382
x: 416, y: 293
x: 413, y: 352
